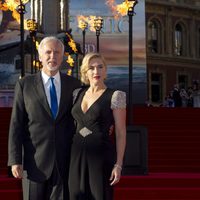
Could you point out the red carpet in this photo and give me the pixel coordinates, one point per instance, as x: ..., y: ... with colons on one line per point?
x: 10, y: 188
x: 173, y: 138
x: 155, y: 186
x: 173, y: 151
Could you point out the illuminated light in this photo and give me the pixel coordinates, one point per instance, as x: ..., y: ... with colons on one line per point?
x: 31, y: 25
x: 83, y: 25
x: 72, y: 43
x: 37, y: 44
x: 36, y: 64
x: 90, y: 20
x: 70, y: 61
x: 69, y: 72
x: 98, y: 23
x: 82, y: 22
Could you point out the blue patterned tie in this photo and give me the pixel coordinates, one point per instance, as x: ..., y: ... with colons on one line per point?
x: 53, y: 96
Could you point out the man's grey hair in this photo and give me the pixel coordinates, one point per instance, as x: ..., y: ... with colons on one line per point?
x: 47, y: 39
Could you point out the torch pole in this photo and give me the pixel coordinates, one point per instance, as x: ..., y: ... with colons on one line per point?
x: 130, y: 115
x: 97, y: 34
x: 22, y: 38
x: 83, y: 42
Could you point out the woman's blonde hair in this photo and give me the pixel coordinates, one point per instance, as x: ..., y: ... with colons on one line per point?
x: 85, y: 65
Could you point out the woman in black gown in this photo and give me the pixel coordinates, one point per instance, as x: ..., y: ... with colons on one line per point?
x: 96, y: 158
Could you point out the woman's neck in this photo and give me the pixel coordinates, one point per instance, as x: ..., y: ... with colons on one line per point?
x: 96, y: 88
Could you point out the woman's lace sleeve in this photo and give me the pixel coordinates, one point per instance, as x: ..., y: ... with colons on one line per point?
x: 118, y: 100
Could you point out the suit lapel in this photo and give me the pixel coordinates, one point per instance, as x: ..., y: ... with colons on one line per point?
x: 62, y: 105
x: 40, y: 91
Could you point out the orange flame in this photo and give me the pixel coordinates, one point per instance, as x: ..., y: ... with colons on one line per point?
x: 12, y: 6
x: 123, y: 8
x: 113, y: 7
x: 3, y: 6
x: 119, y: 9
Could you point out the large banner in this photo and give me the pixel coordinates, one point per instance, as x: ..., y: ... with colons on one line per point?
x: 9, y: 43
x: 114, y: 42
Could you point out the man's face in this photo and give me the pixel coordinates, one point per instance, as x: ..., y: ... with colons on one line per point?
x: 51, y: 57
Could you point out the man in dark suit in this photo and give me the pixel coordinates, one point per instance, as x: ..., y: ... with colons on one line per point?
x: 41, y: 127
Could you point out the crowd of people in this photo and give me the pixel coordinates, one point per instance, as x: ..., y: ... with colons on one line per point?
x: 180, y: 97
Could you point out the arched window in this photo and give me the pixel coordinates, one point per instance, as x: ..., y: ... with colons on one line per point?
x: 178, y: 40
x: 153, y: 36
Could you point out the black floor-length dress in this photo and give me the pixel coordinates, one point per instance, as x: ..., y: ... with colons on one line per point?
x: 93, y: 151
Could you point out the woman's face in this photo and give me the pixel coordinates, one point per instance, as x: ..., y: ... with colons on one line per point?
x: 96, y: 71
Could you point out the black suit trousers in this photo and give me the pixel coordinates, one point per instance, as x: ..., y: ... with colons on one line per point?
x: 52, y: 189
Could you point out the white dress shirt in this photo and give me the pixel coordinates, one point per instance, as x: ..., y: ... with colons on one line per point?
x: 46, y: 82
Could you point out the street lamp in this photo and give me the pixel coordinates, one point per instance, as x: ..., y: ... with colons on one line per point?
x: 21, y: 10
x: 32, y: 27
x: 83, y: 26
x: 130, y: 13
x: 98, y: 24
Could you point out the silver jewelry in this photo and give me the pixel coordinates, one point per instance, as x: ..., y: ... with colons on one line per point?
x: 85, y: 132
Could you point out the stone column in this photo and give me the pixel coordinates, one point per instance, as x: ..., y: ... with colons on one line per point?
x: 192, y: 38
x: 40, y: 14
x: 64, y: 15
x: 36, y: 12
x: 168, y: 32
x: 32, y: 3
x: 51, y: 15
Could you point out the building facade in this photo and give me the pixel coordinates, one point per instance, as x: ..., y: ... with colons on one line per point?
x: 172, y: 41
x: 173, y: 45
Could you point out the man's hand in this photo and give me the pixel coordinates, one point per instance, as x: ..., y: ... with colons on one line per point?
x: 17, y: 171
